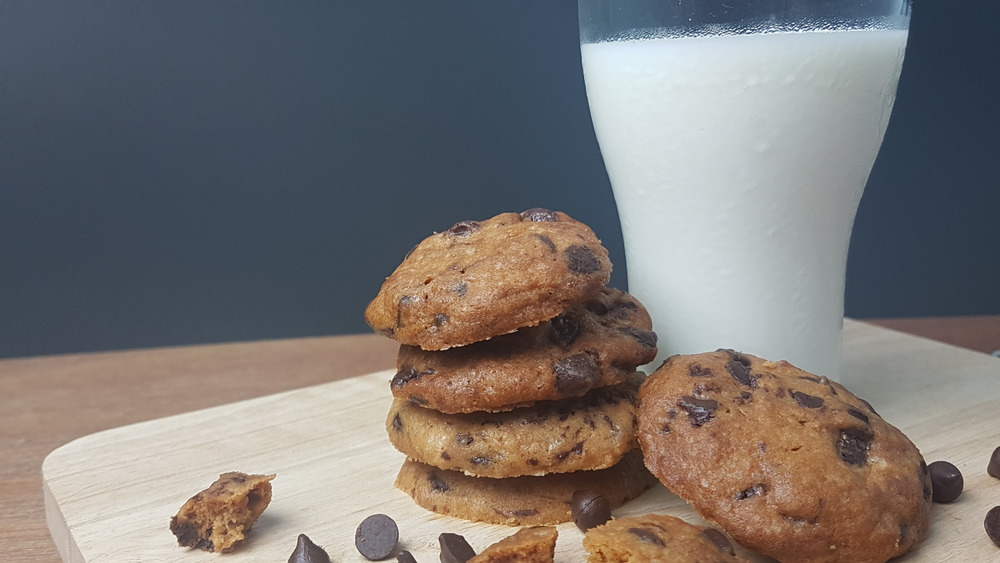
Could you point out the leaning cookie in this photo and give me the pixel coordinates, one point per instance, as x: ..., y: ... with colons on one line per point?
x: 480, y: 279
x: 791, y: 465
x: 658, y: 537
x: 595, y: 344
x: 589, y: 432
x: 520, y: 501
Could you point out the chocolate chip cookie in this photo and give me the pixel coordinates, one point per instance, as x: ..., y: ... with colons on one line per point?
x: 520, y: 501
x: 589, y: 432
x: 595, y: 344
x: 791, y: 465
x: 480, y: 279
x: 658, y: 537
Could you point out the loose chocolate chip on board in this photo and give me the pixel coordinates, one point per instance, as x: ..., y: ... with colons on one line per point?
x: 582, y: 260
x: 946, y: 481
x: 992, y: 524
x: 454, y: 548
x: 405, y: 557
x: 993, y: 468
x: 590, y: 509
x: 719, y: 540
x: 376, y: 537
x: 308, y: 552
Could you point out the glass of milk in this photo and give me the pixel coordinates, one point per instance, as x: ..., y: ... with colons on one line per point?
x: 738, y: 137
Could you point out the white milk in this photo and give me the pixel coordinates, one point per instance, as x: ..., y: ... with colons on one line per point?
x: 738, y: 162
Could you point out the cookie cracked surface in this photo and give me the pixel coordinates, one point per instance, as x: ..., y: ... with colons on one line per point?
x: 480, y: 279
x: 790, y: 464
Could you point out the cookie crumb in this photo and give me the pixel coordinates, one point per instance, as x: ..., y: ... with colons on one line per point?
x: 218, y: 518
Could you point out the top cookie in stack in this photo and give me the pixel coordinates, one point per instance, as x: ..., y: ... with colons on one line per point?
x: 516, y: 381
x: 481, y: 279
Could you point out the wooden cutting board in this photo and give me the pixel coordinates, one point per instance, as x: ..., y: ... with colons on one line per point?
x: 109, y: 496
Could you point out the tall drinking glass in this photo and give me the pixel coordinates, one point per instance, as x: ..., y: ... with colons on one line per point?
x: 738, y: 137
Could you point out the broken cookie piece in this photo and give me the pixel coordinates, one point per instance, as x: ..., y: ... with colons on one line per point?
x: 218, y: 518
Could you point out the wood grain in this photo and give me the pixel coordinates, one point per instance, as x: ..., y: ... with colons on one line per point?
x: 48, y: 401
x: 335, y: 466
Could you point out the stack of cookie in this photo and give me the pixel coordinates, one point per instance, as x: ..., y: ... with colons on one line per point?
x: 516, y: 382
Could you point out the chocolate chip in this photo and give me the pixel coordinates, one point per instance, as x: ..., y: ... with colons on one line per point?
x: 438, y: 484
x: 577, y: 449
x: 807, y: 401
x: 647, y: 536
x: 407, y: 374
x: 597, y: 307
x: 741, y: 372
x: 993, y: 467
x: 463, y: 438
x: 741, y: 358
x: 440, y: 319
x: 992, y: 524
x: 590, y: 509
x: 461, y: 289
x: 308, y: 552
x: 858, y: 414
x: 546, y: 241
x: 480, y: 460
x: 464, y: 228
x: 454, y: 548
x: 564, y: 330
x: 697, y: 370
x: 376, y: 537
x: 757, y: 490
x: 946, y: 481
x: 576, y: 374
x: 397, y: 423
x: 539, y: 215
x: 646, y: 338
x: 582, y: 260
x: 853, y: 445
x: 719, y: 540
x: 699, y: 411
x: 405, y: 557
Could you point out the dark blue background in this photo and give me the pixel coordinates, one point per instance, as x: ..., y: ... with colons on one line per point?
x: 178, y: 172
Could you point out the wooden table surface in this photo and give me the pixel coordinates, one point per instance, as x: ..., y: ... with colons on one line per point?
x: 46, y: 402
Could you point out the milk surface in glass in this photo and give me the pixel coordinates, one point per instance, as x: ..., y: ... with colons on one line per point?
x: 737, y: 163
